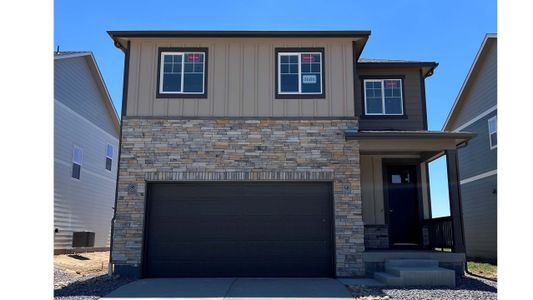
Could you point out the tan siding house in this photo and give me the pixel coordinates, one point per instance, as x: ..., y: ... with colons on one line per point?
x: 235, y: 67
x: 249, y: 153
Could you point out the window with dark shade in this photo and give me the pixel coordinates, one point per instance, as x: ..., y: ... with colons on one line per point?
x: 493, y: 138
x: 383, y: 97
x: 182, y: 72
x: 300, y: 73
x: 109, y: 157
x: 77, y: 157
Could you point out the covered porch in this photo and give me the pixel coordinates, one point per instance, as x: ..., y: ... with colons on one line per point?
x: 396, y: 200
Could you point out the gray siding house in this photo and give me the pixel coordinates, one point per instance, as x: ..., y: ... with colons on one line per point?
x: 86, y: 131
x: 475, y: 110
x: 284, y: 153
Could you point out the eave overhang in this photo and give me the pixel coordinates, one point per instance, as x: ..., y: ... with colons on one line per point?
x: 428, y: 68
x: 429, y: 144
x: 120, y: 38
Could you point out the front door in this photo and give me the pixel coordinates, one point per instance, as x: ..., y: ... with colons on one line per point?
x: 403, y: 211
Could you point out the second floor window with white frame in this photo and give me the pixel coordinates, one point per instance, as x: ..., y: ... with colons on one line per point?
x: 300, y: 73
x: 182, y: 72
x: 493, y: 138
x: 383, y: 97
x: 108, y: 156
x: 77, y: 158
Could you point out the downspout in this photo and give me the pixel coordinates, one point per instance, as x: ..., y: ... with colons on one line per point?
x: 122, y: 114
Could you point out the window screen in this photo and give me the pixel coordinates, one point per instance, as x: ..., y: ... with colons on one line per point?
x: 383, y: 97
x: 300, y: 73
x: 182, y: 73
x: 77, y: 157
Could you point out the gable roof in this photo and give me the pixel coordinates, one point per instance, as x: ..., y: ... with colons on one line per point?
x: 473, y: 69
x: 93, y: 66
x: 121, y: 37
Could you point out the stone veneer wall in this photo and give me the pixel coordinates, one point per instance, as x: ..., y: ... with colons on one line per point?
x: 237, y: 149
x: 376, y: 236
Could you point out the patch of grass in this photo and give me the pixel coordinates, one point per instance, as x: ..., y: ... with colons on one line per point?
x: 485, y: 270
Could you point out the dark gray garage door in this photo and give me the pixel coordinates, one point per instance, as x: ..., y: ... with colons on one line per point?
x: 236, y: 229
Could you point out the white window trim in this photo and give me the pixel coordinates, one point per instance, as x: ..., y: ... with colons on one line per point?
x: 490, y: 133
x: 110, y: 157
x: 382, y: 81
x: 280, y: 54
x: 162, y: 68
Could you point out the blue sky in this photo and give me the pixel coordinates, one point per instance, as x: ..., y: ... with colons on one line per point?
x: 448, y: 32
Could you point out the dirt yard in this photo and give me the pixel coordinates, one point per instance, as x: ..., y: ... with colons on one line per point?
x: 91, y: 263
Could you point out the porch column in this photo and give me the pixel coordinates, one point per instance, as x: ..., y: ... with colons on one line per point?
x: 455, y: 201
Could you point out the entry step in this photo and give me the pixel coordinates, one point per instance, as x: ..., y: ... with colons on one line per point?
x: 415, y: 272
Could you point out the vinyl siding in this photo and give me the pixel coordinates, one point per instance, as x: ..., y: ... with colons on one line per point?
x: 479, y: 201
x: 477, y: 157
x: 75, y: 86
x: 241, y: 79
x: 481, y: 92
x: 81, y: 119
x: 412, y: 98
x: 479, y: 198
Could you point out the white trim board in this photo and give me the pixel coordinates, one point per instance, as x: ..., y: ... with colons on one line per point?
x: 57, y: 102
x: 478, y: 177
x: 475, y: 119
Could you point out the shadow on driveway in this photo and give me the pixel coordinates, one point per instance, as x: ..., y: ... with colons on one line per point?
x: 242, y: 288
x: 98, y: 286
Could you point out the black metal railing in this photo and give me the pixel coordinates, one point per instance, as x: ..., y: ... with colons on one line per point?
x: 438, y: 233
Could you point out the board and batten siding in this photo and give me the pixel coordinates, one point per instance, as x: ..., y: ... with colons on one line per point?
x: 412, y: 100
x: 241, y: 79
x: 372, y: 192
x: 75, y: 86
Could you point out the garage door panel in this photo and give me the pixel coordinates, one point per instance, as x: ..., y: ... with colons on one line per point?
x: 237, y: 249
x: 236, y: 229
x: 241, y: 228
x: 174, y: 206
x: 240, y: 268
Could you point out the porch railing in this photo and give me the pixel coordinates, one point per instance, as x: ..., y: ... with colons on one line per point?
x: 438, y: 233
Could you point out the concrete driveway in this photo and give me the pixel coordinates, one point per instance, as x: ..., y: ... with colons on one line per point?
x: 232, y: 288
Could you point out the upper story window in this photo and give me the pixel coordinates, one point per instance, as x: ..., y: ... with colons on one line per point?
x: 108, y: 157
x: 182, y: 73
x: 300, y: 73
x: 77, y: 157
x: 383, y: 97
x: 493, y: 139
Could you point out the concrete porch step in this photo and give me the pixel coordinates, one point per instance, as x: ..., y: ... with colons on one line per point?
x: 411, y: 263
x: 388, y: 279
x: 413, y: 272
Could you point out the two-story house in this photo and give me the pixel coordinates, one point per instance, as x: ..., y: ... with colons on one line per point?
x: 475, y: 110
x: 86, y: 138
x: 256, y: 153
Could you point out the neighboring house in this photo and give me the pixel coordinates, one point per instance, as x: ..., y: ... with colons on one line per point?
x: 86, y: 134
x: 255, y: 153
x: 475, y: 110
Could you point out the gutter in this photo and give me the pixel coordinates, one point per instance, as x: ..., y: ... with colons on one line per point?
x: 351, y: 134
x: 122, y: 113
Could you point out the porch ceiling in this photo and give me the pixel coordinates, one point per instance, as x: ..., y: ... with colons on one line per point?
x: 425, y: 143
